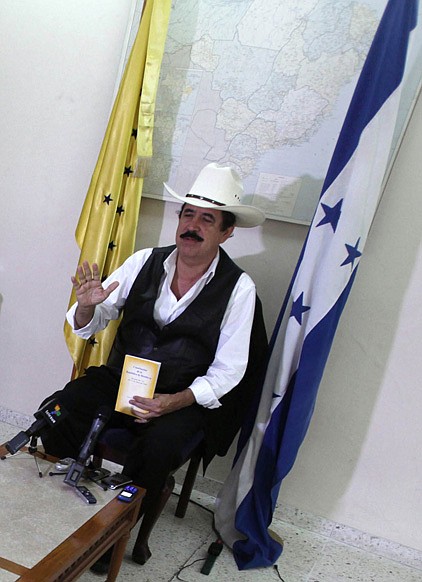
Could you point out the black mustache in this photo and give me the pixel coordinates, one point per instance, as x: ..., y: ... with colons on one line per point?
x: 192, y: 234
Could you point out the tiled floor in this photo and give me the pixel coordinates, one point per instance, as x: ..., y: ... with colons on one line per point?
x: 315, y: 550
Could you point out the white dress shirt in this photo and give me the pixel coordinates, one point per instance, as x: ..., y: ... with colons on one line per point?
x: 229, y: 364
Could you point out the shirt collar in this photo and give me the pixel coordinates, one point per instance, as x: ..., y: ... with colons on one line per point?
x: 170, y: 266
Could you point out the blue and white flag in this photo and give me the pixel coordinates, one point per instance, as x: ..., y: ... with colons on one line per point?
x: 319, y: 289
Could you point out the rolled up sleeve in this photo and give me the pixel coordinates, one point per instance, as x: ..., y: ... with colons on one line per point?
x: 231, y: 358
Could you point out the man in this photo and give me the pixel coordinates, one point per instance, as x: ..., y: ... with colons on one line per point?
x: 188, y: 307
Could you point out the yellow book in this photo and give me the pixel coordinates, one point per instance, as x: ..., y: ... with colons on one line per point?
x: 139, y: 378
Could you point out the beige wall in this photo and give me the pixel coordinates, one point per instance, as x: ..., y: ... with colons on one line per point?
x: 360, y: 463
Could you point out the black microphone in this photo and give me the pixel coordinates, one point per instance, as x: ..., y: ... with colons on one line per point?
x: 48, y: 415
x: 213, y: 552
x: 77, y: 468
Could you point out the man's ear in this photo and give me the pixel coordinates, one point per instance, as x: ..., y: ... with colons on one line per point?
x: 227, y: 233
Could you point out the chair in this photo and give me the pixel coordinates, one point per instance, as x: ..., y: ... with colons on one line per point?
x: 112, y: 446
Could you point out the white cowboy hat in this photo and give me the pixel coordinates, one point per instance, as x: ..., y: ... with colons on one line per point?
x: 220, y: 187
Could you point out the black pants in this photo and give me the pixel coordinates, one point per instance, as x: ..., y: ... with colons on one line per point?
x: 157, y: 445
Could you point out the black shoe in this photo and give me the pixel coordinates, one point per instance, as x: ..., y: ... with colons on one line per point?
x: 102, y: 564
x: 142, y: 555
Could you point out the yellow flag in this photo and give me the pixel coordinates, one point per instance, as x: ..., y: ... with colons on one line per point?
x: 107, y: 225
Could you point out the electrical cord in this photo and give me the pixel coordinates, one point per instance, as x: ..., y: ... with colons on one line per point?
x: 195, y: 503
x: 277, y: 571
x: 275, y: 566
x: 188, y: 566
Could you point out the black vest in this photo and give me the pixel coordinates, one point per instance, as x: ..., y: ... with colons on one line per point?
x: 186, y: 347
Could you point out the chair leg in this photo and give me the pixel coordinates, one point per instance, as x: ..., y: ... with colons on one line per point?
x: 187, y: 487
x: 141, y: 552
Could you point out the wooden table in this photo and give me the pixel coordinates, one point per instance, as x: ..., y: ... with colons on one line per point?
x: 48, y: 533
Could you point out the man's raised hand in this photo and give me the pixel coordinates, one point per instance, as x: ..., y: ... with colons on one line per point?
x: 87, y: 285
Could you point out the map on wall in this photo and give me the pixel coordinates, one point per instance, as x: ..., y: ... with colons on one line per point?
x: 261, y: 85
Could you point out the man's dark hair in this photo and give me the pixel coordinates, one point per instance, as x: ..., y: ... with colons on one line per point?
x: 228, y: 218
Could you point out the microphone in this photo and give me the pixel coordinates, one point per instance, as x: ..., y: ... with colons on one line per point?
x: 213, y: 552
x: 48, y: 415
x: 77, y: 468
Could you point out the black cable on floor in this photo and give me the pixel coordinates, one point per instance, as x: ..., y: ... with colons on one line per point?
x: 277, y: 571
x: 188, y: 566
x: 195, y: 503
x: 275, y: 566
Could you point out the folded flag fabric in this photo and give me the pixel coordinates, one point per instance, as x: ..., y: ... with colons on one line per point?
x: 324, y: 275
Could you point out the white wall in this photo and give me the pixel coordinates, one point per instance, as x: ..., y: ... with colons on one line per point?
x: 58, y: 67
x: 360, y: 463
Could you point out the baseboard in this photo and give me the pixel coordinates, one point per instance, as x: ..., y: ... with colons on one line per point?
x: 17, y: 419
x: 206, y: 490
